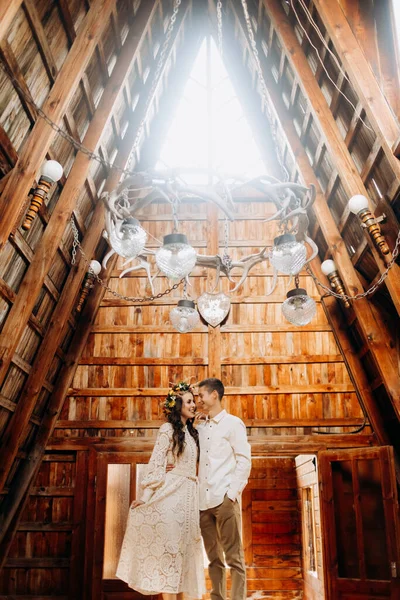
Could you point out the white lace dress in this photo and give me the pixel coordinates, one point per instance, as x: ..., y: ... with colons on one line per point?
x: 162, y: 549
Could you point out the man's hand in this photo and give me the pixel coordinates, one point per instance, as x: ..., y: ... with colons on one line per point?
x: 136, y: 503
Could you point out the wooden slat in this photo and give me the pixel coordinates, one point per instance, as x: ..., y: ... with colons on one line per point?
x: 225, y: 360
x: 42, y: 135
x: 8, y: 10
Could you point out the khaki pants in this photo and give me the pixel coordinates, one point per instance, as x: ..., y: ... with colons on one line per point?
x: 220, y: 528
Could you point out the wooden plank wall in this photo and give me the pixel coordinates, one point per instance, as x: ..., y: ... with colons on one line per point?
x: 307, y: 477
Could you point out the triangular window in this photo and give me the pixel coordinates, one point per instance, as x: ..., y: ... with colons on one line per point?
x: 209, y: 130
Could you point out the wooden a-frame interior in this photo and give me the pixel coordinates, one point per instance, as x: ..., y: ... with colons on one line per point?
x: 81, y: 391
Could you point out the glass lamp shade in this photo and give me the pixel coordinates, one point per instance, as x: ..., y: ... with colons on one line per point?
x: 184, y: 317
x: 288, y: 256
x: 130, y: 240
x: 299, y: 308
x: 95, y: 266
x: 52, y: 170
x: 328, y: 267
x: 358, y: 203
x: 176, y: 258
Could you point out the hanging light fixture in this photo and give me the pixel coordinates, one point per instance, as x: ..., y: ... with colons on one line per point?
x: 214, y: 307
x: 176, y: 258
x: 299, y: 308
x: 129, y: 239
x: 288, y: 256
x: 51, y: 172
x: 184, y: 317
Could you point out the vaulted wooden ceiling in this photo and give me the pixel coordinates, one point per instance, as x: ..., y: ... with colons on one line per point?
x: 92, y: 76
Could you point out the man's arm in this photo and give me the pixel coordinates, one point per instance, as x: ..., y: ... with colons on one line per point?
x: 242, y: 452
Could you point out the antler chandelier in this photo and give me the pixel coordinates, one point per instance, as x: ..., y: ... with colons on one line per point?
x: 176, y: 259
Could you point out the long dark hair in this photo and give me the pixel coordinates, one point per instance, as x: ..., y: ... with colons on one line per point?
x: 174, y: 417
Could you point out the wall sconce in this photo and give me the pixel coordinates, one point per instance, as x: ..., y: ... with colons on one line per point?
x: 358, y: 205
x: 88, y: 283
x: 329, y: 269
x: 51, y: 172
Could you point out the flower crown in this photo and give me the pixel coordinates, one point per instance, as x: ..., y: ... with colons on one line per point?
x: 177, y: 390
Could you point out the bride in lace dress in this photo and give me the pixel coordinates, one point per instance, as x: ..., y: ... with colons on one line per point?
x: 162, y: 549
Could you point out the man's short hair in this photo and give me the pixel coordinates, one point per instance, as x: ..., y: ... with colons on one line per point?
x: 211, y: 384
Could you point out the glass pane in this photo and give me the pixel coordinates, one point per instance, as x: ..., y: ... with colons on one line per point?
x: 309, y: 533
x: 373, y: 519
x: 117, y: 506
x: 345, y: 520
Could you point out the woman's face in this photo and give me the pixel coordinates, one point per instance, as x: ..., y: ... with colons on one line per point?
x: 188, y: 406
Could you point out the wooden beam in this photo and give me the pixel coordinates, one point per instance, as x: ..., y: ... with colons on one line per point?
x: 13, y: 505
x: 372, y: 331
x: 225, y: 360
x: 351, y: 179
x: 44, y: 255
x: 42, y: 134
x: 8, y: 10
x: 361, y: 76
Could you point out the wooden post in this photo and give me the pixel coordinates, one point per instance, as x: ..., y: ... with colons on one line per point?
x: 41, y: 137
x: 44, y: 255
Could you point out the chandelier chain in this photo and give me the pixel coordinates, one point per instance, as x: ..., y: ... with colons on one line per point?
x: 78, y: 145
x: 219, y: 23
x: 76, y: 244
x: 372, y: 289
x: 264, y: 90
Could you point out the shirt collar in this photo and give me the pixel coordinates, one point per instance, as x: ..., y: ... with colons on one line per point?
x: 219, y: 416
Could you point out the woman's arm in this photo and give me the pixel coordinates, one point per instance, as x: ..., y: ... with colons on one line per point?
x: 155, y: 475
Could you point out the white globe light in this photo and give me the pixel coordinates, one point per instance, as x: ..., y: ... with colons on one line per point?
x: 358, y: 203
x: 184, y: 317
x: 95, y: 266
x: 288, y: 256
x: 176, y: 258
x: 52, y: 170
x: 328, y: 267
x: 299, y: 308
x: 129, y: 240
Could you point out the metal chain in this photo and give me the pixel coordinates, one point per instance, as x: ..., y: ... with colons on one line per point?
x: 219, y: 24
x: 226, y: 259
x: 264, y: 91
x: 76, y: 244
x: 77, y: 145
x: 372, y: 289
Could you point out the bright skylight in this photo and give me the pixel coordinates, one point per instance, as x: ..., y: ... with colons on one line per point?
x: 209, y: 129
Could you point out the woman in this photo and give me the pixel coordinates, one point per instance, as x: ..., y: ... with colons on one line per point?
x: 162, y: 550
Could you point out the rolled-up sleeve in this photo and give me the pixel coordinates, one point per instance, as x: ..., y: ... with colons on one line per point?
x: 155, y: 473
x: 242, y: 452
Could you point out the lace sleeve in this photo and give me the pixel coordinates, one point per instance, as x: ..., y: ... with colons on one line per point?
x: 155, y: 472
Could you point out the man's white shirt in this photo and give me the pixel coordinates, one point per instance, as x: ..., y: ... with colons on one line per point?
x: 225, y: 459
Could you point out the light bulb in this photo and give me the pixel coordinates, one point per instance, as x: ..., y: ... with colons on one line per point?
x: 299, y: 308
x: 176, y: 258
x: 129, y: 240
x: 184, y: 317
x: 358, y: 203
x: 95, y: 266
x: 288, y: 256
x: 328, y: 267
x: 52, y: 170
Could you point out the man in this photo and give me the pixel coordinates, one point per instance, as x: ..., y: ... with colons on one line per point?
x: 225, y: 463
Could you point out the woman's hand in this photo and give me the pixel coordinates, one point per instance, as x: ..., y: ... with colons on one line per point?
x: 136, y: 503
x: 198, y: 417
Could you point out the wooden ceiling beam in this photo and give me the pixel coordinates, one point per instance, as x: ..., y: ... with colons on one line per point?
x: 372, y: 331
x: 43, y: 258
x: 12, y: 506
x: 14, y: 197
x: 351, y: 179
x: 8, y: 10
x: 361, y: 75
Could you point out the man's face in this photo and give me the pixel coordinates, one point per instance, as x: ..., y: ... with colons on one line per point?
x: 206, y: 399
